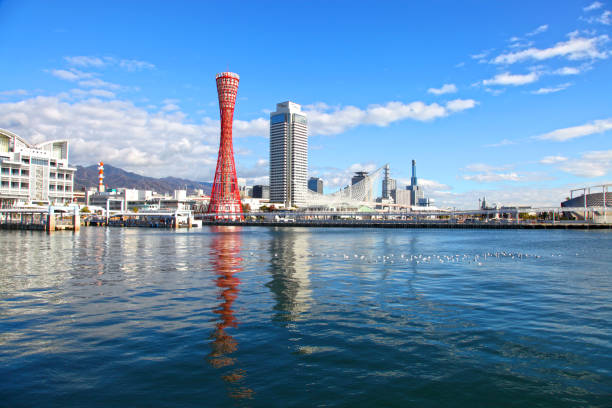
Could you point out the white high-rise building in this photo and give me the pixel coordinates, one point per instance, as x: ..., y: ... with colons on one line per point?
x: 288, y: 155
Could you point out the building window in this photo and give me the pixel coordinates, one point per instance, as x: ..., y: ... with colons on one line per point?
x: 40, y: 162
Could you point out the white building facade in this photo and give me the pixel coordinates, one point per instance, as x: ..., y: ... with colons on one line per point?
x: 288, y: 155
x: 37, y: 174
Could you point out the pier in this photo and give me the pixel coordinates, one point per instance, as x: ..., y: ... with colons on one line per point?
x: 48, y: 219
x: 158, y: 219
x: 546, y: 218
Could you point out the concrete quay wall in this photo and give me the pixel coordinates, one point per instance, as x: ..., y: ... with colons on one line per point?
x: 412, y: 224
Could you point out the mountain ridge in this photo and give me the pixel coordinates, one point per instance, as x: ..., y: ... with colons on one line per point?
x: 115, y: 177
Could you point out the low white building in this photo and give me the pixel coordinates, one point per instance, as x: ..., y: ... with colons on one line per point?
x: 30, y: 173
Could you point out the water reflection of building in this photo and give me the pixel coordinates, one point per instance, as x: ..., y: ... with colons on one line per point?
x: 290, y: 272
x: 225, y: 254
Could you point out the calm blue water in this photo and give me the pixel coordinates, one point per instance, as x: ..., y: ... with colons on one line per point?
x: 267, y: 317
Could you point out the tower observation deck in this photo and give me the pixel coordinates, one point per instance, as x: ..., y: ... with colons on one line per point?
x: 225, y: 195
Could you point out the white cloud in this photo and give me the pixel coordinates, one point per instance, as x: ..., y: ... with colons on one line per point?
x: 258, y: 173
x: 494, y: 92
x: 170, y: 107
x: 504, y: 142
x: 538, y: 30
x: 457, y: 105
x: 506, y: 78
x: 562, y: 135
x: 85, y: 79
x: 97, y: 62
x: 135, y: 65
x: 84, y: 61
x: 164, y: 141
x: 553, y: 159
x: 543, y: 91
x: 523, y: 44
x: 432, y: 185
x: 120, y: 133
x: 567, y: 71
x: 72, y: 75
x: 103, y: 93
x: 591, y: 164
x: 481, y: 167
x: 324, y: 120
x: 485, y: 173
x: 255, y: 127
x: 98, y: 83
x: 446, y: 88
x: 14, y: 92
x: 605, y: 18
x: 493, y: 177
x: 593, y: 6
x: 576, y: 48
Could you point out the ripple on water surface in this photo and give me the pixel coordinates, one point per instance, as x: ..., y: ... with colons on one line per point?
x: 299, y: 317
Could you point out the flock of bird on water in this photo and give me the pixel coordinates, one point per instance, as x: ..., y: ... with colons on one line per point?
x: 476, y: 259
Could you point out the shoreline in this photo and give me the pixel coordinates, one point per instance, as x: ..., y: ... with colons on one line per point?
x: 408, y: 224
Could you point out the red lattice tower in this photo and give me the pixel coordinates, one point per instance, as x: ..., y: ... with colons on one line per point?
x: 225, y: 196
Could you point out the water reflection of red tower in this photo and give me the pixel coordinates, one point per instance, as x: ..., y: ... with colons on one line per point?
x: 225, y: 195
x: 225, y: 253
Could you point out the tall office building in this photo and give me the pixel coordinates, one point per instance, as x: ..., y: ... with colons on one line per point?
x: 288, y: 155
x: 388, y: 184
x: 315, y: 184
x: 416, y: 192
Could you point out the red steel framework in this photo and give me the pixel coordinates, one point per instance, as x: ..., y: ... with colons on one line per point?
x: 225, y: 196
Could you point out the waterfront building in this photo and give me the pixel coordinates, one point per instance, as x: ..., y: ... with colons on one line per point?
x: 365, y: 192
x: 262, y: 192
x: 128, y: 199
x: 246, y: 191
x: 590, y: 198
x: 315, y: 184
x: 401, y: 197
x: 416, y: 192
x: 34, y: 173
x: 288, y: 155
x: 225, y: 195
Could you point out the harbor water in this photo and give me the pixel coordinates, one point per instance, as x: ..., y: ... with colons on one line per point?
x: 278, y: 317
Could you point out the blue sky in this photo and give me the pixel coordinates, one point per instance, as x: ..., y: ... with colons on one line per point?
x: 507, y: 99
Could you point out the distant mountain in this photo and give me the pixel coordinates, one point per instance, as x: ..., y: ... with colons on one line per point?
x: 114, y: 177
